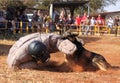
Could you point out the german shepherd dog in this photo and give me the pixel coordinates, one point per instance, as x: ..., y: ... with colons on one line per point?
x: 83, y: 59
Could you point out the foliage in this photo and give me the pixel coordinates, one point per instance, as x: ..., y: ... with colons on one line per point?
x: 29, y: 3
x: 7, y: 3
x: 95, y: 5
x: 4, y: 3
x: 100, y: 4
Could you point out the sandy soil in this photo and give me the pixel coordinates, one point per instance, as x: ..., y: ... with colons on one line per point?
x: 57, y: 72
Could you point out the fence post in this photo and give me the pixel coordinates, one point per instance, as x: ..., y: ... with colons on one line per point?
x: 14, y: 27
x: 95, y: 29
x: 109, y: 31
x: 32, y: 27
x: 20, y: 26
x: 14, y: 30
x: 27, y: 27
x: 119, y: 30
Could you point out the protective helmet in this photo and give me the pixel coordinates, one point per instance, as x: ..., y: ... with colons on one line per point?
x: 38, y: 51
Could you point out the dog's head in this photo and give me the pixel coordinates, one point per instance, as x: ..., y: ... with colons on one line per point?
x: 70, y: 36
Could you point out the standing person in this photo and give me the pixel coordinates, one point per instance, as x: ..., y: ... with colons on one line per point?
x: 92, y: 25
x: 24, y: 20
x: 17, y: 21
x: 100, y: 22
x: 77, y: 22
x: 70, y: 22
x: 116, y: 20
x: 87, y: 25
x: 61, y: 22
x: 40, y: 20
x: 110, y: 22
x: 35, y: 18
x: 46, y: 21
x: 30, y: 49
x: 2, y: 23
x: 83, y: 19
x: 116, y: 23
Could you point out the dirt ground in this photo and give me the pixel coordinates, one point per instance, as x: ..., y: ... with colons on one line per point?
x: 57, y: 72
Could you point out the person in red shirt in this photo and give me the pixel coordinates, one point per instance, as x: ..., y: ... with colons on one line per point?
x: 77, y: 22
x: 84, y: 17
x: 100, y: 22
x: 83, y: 20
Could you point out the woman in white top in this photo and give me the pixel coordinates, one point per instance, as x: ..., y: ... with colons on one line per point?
x: 92, y: 24
x: 110, y: 22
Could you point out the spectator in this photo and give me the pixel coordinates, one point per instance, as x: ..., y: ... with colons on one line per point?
x: 55, y: 16
x: 100, y: 24
x: 92, y: 25
x: 46, y: 21
x: 40, y: 20
x: 110, y: 22
x: 61, y: 22
x: 35, y: 18
x: 100, y: 21
x: 83, y: 19
x: 2, y: 21
x: 70, y: 22
x: 87, y: 25
x: 77, y: 22
x: 24, y: 20
x: 116, y: 23
x: 17, y: 21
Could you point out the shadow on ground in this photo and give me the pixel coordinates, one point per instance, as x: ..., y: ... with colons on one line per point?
x: 65, y: 67
x: 4, y: 49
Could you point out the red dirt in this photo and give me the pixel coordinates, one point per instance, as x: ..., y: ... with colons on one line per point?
x: 58, y: 72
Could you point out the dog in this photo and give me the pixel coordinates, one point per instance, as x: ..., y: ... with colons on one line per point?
x: 84, y: 59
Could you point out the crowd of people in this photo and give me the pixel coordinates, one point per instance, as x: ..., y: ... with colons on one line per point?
x: 81, y: 23
x: 87, y: 23
x: 43, y: 22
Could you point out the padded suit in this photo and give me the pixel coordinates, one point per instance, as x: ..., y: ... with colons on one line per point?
x: 19, y: 57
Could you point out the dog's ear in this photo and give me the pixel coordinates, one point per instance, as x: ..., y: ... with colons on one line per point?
x: 80, y: 41
x: 70, y: 34
x: 66, y: 34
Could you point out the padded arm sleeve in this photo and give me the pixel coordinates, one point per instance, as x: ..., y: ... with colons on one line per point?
x: 66, y: 47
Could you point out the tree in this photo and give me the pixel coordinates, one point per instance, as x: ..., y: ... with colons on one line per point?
x: 29, y: 3
x: 4, y: 3
x: 100, y: 4
x: 95, y: 5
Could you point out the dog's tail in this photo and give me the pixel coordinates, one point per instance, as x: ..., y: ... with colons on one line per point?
x: 100, y: 62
